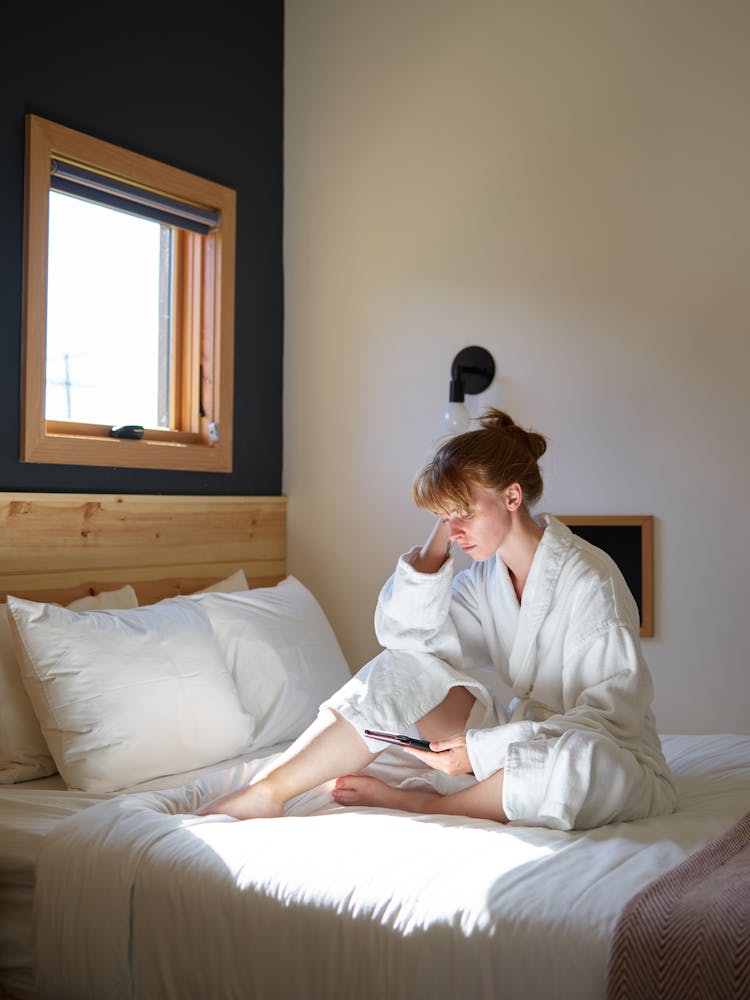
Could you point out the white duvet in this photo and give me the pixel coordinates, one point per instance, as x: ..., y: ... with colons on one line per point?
x: 137, y: 897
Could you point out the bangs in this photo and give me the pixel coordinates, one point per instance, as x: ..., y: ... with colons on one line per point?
x: 442, y: 491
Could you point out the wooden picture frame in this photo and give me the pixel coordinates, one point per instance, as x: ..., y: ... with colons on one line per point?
x: 629, y: 539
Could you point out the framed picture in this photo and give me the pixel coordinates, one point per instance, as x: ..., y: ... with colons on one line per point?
x: 629, y: 539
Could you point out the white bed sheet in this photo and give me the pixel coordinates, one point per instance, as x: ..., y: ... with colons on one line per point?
x: 28, y: 812
x: 335, y: 902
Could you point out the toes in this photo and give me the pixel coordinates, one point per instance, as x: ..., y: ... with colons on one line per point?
x: 345, y: 796
x: 348, y: 781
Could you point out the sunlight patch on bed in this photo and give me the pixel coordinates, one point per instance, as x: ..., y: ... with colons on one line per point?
x: 416, y: 868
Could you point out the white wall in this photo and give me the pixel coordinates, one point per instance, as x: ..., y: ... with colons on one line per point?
x: 566, y: 184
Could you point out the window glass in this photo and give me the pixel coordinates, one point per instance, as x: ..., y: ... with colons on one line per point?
x: 103, y: 316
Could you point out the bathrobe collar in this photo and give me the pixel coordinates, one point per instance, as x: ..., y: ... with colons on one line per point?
x: 552, y: 552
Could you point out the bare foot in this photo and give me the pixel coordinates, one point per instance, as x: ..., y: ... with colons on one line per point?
x: 363, y: 790
x: 253, y: 802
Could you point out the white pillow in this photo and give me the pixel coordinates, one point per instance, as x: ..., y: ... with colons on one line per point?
x: 125, y: 696
x: 24, y: 753
x: 282, y: 653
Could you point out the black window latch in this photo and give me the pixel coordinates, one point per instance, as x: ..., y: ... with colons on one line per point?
x: 132, y: 431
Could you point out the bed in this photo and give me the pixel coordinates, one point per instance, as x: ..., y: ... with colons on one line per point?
x: 154, y: 653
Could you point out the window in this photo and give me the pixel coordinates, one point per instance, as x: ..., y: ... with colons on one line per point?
x: 128, y: 308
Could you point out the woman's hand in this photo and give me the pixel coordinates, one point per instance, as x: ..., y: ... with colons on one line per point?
x: 435, y: 550
x: 449, y: 756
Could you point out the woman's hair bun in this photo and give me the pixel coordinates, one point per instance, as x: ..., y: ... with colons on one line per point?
x: 499, y: 420
x: 537, y: 444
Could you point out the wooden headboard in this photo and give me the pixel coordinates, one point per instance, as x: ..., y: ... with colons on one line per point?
x: 60, y: 546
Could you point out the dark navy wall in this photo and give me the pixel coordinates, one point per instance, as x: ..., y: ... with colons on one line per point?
x: 198, y: 90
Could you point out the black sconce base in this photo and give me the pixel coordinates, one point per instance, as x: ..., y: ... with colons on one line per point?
x: 473, y: 369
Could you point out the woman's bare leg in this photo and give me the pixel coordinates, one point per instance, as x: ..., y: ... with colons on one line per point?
x: 328, y: 748
x: 481, y: 801
x: 449, y: 717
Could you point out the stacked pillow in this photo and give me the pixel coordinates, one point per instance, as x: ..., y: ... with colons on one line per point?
x: 24, y: 753
x: 282, y: 654
x: 124, y: 695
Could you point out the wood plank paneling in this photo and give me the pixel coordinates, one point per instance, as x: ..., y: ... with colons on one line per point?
x: 57, y: 546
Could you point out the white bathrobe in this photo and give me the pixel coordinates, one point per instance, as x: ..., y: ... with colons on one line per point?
x: 578, y: 741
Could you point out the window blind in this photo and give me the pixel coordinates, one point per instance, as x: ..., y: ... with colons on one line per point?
x: 103, y: 190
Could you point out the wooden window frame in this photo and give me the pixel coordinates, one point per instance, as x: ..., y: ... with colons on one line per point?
x: 204, y: 341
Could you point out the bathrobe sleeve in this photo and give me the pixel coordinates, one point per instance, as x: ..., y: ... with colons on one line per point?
x: 436, y: 613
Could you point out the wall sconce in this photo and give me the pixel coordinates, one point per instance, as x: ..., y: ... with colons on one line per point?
x: 473, y: 369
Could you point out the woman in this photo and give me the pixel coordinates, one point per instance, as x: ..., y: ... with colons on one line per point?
x: 540, y: 608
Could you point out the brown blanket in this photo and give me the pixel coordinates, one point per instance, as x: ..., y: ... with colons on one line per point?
x: 687, y: 933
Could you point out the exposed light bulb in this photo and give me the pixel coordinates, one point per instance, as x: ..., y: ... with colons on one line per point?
x: 456, y: 418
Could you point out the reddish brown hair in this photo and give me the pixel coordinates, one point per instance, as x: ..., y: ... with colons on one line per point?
x: 495, y: 455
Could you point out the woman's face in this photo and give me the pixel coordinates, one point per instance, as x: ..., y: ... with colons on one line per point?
x: 481, y: 532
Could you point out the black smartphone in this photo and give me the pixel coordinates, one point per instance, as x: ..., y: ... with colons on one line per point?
x: 399, y: 740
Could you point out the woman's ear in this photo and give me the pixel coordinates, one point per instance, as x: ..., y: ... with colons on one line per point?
x: 513, y: 496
